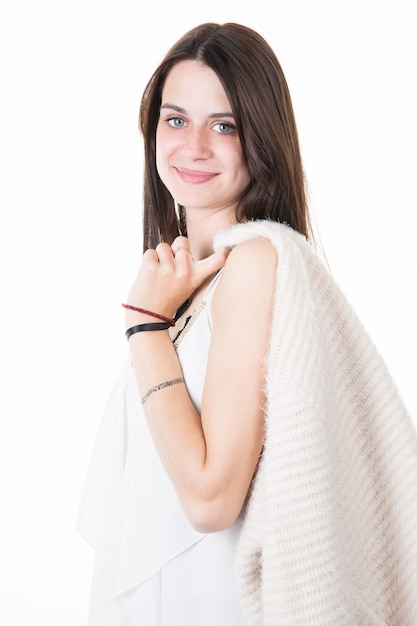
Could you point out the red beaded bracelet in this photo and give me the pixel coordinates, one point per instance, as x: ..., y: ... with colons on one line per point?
x: 145, y: 312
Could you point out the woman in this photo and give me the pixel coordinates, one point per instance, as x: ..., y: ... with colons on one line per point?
x: 255, y: 464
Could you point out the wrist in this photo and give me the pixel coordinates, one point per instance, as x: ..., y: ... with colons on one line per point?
x: 136, y: 315
x: 133, y: 318
x: 140, y: 328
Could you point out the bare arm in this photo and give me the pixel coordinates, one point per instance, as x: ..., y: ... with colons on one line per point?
x: 211, y: 458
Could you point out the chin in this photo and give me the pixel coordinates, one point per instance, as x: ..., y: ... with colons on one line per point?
x: 188, y: 200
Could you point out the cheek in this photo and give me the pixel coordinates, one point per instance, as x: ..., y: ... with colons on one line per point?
x: 241, y: 168
x: 236, y: 159
x: 160, y: 146
x: 165, y: 144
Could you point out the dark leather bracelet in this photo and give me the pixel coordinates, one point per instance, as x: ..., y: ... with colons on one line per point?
x: 143, y: 327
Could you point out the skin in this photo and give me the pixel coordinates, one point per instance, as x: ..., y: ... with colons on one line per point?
x: 210, y: 458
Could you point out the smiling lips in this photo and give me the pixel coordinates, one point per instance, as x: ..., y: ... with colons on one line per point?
x: 194, y: 177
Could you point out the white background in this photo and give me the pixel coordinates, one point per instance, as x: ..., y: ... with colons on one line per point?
x: 72, y: 74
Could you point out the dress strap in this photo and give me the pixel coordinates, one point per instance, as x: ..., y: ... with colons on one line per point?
x: 209, y: 291
x: 195, y: 314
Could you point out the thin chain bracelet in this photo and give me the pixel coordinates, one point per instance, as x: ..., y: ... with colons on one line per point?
x: 167, y: 383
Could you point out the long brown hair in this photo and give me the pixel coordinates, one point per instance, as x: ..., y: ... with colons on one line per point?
x: 261, y: 104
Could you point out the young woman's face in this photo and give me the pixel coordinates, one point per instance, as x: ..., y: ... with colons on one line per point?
x: 198, y: 153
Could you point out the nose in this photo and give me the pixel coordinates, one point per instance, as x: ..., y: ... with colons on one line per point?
x: 196, y: 144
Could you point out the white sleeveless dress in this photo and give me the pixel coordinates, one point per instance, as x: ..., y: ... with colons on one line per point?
x: 152, y: 568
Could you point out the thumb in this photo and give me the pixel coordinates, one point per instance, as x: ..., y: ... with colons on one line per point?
x: 211, y: 264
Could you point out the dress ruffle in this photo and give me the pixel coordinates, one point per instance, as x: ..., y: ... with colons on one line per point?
x: 119, y: 504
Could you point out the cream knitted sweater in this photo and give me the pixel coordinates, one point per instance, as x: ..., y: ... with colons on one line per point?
x: 330, y: 534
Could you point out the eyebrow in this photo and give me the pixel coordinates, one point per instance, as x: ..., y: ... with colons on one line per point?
x: 178, y: 109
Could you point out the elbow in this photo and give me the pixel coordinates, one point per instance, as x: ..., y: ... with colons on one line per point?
x: 211, y: 516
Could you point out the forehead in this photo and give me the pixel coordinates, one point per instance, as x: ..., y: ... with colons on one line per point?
x: 194, y: 82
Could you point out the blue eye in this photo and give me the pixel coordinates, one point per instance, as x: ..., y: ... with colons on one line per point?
x: 176, y: 122
x: 224, y: 129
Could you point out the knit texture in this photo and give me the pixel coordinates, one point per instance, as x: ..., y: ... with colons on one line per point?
x: 330, y: 533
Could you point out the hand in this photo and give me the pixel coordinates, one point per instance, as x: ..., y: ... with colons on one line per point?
x: 168, y: 276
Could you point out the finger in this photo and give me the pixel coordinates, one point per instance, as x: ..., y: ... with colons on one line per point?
x: 164, y: 253
x: 150, y: 255
x: 211, y: 264
x: 177, y: 249
x: 180, y: 243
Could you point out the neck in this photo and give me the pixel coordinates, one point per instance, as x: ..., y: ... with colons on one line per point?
x: 202, y: 227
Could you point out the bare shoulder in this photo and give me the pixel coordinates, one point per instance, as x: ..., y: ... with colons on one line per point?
x: 259, y: 246
x: 249, y: 273
x: 254, y: 258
